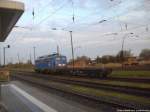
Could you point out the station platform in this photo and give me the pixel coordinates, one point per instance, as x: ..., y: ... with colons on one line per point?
x: 21, y: 97
x: 10, y: 12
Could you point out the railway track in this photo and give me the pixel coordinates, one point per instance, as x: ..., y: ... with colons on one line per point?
x: 114, y: 103
x: 123, y: 89
x: 139, y: 80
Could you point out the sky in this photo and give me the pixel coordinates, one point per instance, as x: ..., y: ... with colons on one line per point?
x: 98, y: 29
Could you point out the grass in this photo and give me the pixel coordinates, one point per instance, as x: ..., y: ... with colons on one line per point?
x: 3, y: 78
x: 126, y: 84
x: 111, y: 94
x: 109, y: 65
x: 21, y: 67
x: 130, y: 74
x: 139, y: 85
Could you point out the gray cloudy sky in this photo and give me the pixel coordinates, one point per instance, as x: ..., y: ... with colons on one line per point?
x: 90, y: 37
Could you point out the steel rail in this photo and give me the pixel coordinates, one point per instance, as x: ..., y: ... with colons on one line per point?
x: 116, y: 104
x: 123, y: 89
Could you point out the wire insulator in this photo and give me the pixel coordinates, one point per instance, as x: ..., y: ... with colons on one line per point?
x: 33, y: 13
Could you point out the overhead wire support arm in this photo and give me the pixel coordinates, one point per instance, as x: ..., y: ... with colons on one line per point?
x: 33, y: 14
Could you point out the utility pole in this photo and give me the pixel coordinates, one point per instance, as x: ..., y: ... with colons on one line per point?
x: 122, y: 47
x: 8, y: 46
x: 18, y: 58
x: 30, y: 58
x: 58, y: 52
x: 72, y: 49
x: 34, y: 53
x: 4, y: 55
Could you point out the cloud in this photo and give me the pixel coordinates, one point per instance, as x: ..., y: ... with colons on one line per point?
x: 134, y: 14
x: 36, y: 40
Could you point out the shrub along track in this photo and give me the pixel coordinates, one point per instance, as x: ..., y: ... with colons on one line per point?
x: 43, y: 80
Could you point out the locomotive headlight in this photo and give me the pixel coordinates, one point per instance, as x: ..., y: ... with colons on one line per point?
x: 63, y: 64
x: 59, y: 64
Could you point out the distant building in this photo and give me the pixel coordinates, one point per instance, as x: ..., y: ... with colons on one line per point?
x: 129, y: 61
x: 81, y: 63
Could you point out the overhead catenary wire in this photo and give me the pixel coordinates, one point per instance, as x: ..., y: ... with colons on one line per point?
x: 125, y: 23
x: 33, y: 17
x: 119, y: 22
x: 97, y: 22
x: 107, y: 19
x: 123, y: 31
x: 58, y: 9
x: 73, y: 18
x: 113, y: 17
x: 96, y: 42
x: 86, y: 17
x: 45, y: 6
x: 35, y: 11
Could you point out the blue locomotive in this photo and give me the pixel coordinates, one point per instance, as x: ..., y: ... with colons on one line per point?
x: 57, y: 64
x: 50, y: 62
